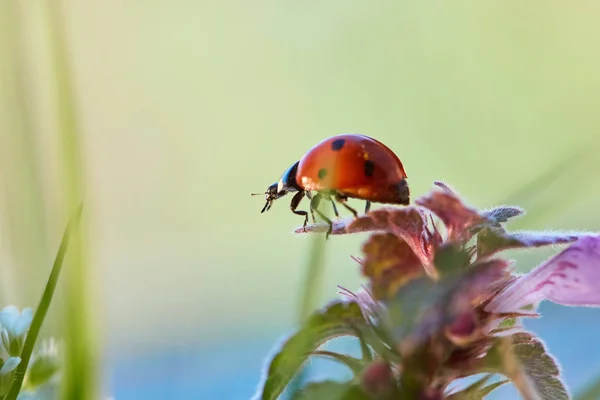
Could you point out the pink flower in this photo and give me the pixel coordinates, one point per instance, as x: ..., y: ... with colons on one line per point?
x: 570, y: 278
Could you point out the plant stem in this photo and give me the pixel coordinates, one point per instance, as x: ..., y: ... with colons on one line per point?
x: 309, y: 298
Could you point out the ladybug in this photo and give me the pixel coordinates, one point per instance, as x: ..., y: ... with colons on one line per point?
x: 342, y: 167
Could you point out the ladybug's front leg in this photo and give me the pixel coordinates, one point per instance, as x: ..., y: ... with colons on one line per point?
x: 314, y: 206
x: 312, y: 213
x: 295, y: 203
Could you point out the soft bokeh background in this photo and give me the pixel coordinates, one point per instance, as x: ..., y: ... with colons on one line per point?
x: 186, y: 107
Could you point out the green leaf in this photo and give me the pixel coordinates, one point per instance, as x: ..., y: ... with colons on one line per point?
x: 477, y: 390
x: 505, y: 325
x: 367, y: 355
x: 42, y: 369
x: 337, y: 319
x: 523, y: 359
x: 331, y: 390
x: 491, y: 240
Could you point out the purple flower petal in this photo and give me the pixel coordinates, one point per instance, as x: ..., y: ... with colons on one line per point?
x: 570, y: 278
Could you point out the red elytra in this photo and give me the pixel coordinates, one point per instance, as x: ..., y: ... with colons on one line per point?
x: 342, y: 167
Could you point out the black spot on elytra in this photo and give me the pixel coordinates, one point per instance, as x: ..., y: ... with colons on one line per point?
x: 322, y: 173
x: 337, y: 144
x: 369, y: 167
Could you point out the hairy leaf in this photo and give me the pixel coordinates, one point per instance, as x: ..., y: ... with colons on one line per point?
x: 491, y: 240
x: 503, y: 213
x: 523, y: 359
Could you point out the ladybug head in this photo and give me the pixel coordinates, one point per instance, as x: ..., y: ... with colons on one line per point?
x: 272, y: 194
x: 286, y: 184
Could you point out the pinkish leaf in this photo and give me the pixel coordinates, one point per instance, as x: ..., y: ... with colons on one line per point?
x: 408, y: 223
x: 389, y: 263
x: 570, y: 278
x: 380, y: 219
x: 491, y: 240
x: 457, y: 216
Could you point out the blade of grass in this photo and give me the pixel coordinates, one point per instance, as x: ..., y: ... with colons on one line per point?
x: 81, y: 349
x: 590, y: 392
x: 536, y: 190
x: 42, y: 308
x: 22, y: 186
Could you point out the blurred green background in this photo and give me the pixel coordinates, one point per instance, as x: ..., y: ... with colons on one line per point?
x: 186, y: 107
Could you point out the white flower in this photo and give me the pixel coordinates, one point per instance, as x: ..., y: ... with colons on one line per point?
x: 16, y: 323
x: 10, y: 365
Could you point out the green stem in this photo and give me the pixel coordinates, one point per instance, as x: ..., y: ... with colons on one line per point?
x: 42, y: 309
x: 312, y: 280
x: 309, y: 298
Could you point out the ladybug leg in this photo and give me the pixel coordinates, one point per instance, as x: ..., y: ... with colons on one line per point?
x: 367, y: 206
x: 294, y: 204
x: 314, y: 204
x: 335, y: 211
x: 312, y: 213
x: 343, y: 199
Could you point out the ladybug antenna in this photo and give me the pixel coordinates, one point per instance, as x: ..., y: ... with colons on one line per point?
x: 257, y: 194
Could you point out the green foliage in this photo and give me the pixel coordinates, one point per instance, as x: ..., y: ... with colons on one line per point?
x: 477, y: 390
x: 331, y: 390
x: 337, y: 319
